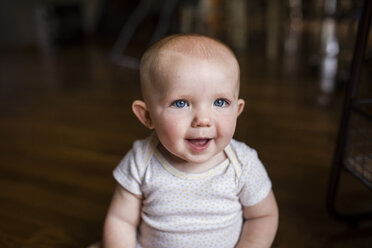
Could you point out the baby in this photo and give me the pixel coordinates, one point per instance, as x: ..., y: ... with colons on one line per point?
x: 190, y: 184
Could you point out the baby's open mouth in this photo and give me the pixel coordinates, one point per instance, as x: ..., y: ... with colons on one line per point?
x: 199, y: 143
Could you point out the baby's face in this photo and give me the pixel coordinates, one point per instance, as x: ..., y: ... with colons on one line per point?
x: 194, y: 105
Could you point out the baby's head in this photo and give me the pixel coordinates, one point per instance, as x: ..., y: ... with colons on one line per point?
x: 190, y: 85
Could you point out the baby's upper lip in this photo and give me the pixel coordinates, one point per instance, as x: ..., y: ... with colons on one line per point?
x: 199, y: 138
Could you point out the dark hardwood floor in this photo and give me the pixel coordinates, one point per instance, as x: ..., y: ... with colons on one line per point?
x: 65, y: 123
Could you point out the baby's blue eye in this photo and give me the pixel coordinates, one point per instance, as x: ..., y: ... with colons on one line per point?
x: 220, y: 103
x: 180, y: 104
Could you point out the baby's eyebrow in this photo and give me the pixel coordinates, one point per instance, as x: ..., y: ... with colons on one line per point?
x: 172, y: 97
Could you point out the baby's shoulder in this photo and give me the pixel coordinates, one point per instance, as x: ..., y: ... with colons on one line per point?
x: 241, y: 149
x: 143, y: 149
x: 140, y: 153
x: 244, y: 153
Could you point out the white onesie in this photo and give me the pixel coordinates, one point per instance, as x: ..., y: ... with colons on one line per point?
x: 192, y: 210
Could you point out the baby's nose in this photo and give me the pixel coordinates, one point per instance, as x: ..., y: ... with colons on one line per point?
x: 201, y: 119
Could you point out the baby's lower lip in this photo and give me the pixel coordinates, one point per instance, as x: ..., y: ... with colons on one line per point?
x: 199, y: 144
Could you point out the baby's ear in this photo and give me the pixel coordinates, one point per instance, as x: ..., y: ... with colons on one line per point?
x: 241, y: 104
x: 140, y: 109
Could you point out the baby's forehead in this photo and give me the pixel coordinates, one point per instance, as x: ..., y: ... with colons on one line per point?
x: 161, y: 57
x: 188, y: 47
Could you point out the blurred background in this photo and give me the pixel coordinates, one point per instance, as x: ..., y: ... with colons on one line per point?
x: 69, y: 72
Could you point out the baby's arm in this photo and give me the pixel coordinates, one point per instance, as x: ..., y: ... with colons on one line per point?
x: 122, y: 220
x: 260, y: 224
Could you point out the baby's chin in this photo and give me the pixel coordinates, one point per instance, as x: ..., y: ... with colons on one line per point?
x: 204, y: 159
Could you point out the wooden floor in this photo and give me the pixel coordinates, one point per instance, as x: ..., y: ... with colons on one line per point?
x: 65, y: 123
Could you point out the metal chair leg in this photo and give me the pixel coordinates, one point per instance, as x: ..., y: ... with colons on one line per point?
x: 342, y: 141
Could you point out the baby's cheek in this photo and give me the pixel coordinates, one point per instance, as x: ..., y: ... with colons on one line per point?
x: 171, y: 129
x: 172, y: 124
x: 227, y: 126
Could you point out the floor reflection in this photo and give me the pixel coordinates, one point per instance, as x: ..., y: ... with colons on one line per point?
x: 330, y: 50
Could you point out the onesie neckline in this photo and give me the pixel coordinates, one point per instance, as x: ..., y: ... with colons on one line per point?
x: 190, y: 176
x: 231, y: 158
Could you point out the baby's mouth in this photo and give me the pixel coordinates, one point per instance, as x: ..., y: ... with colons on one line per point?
x: 199, y: 143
